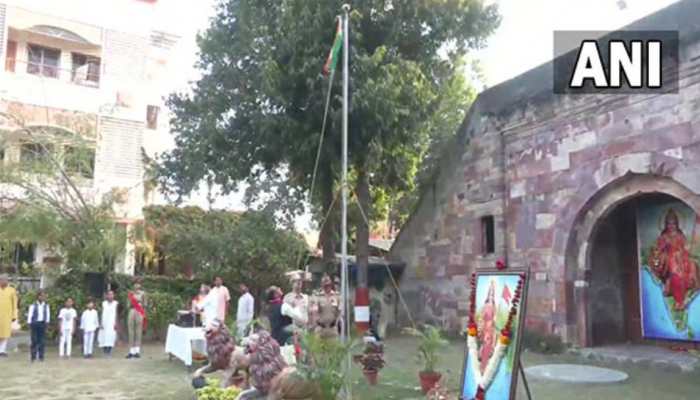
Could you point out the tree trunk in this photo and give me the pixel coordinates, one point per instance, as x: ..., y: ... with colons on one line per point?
x: 362, y: 253
x: 362, y: 244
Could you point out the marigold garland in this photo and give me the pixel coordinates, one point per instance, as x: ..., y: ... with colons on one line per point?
x: 485, y: 378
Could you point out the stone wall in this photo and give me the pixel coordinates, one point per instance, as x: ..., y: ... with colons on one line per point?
x: 539, y: 165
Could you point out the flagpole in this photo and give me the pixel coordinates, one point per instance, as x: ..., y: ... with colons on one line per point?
x: 344, y: 227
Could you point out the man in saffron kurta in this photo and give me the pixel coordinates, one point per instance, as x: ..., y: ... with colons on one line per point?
x: 8, y: 312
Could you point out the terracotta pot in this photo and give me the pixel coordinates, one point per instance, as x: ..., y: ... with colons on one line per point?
x: 371, y: 375
x: 428, y: 380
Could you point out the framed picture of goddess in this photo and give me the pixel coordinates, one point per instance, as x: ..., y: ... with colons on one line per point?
x: 496, y: 316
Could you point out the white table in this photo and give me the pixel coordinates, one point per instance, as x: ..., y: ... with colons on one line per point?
x: 182, y: 341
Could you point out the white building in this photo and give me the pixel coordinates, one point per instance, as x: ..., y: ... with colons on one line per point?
x: 97, y: 69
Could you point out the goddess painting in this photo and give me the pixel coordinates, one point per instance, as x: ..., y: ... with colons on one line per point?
x: 670, y: 261
x: 487, y: 326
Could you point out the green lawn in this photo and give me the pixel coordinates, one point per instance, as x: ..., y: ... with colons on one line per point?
x: 155, y: 378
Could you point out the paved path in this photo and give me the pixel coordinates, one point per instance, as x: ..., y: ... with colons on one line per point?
x: 574, y: 373
x: 643, y: 356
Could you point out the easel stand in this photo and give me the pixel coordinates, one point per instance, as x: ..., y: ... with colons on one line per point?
x: 522, y: 374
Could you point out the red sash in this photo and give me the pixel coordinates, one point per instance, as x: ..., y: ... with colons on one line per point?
x: 138, y: 307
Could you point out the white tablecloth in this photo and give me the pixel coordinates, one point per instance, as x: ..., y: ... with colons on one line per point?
x: 182, y: 341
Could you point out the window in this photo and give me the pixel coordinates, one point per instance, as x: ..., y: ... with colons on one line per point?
x: 85, y: 70
x: 488, y: 235
x: 152, y: 117
x: 43, y: 61
x: 11, y: 56
x: 33, y: 152
x: 17, y: 254
x: 79, y: 162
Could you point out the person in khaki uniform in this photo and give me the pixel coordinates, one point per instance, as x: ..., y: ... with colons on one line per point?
x: 325, y: 310
x: 136, y: 322
x: 8, y: 312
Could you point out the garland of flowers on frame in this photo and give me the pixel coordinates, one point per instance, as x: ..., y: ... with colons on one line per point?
x: 484, y: 380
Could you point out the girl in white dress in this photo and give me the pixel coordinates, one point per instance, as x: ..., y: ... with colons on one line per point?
x: 107, y: 337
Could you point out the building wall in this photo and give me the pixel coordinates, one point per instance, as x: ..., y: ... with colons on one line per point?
x: 539, y: 166
x: 135, y: 51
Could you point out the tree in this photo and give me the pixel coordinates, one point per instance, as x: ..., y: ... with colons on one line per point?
x: 45, y: 199
x: 259, y: 103
x: 245, y: 247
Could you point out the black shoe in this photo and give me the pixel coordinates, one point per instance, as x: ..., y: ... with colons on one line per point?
x: 130, y: 356
x: 3, y: 355
x: 137, y: 355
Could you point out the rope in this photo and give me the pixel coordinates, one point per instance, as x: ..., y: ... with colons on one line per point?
x: 318, y: 159
x: 386, y: 265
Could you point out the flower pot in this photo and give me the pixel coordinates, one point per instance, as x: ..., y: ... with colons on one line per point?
x: 372, y: 376
x: 428, y: 380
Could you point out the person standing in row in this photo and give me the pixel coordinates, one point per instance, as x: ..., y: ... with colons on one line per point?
x: 107, y: 337
x: 89, y: 322
x: 38, y: 318
x: 137, y: 320
x: 223, y: 298
x: 325, y: 310
x: 245, y: 311
x: 67, y: 318
x: 8, y: 312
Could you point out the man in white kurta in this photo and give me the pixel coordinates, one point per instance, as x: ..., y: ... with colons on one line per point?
x: 245, y: 311
x: 209, y: 306
x: 107, y: 337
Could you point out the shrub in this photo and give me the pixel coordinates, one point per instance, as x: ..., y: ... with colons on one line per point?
x: 162, y: 309
x: 213, y: 391
x: 545, y: 344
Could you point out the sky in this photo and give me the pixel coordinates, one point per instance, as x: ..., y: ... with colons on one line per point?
x: 522, y: 42
x: 524, y: 39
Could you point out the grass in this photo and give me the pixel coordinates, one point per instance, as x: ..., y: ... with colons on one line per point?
x: 155, y: 378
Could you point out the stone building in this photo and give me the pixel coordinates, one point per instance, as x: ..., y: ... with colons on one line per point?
x: 91, y: 72
x: 553, y: 182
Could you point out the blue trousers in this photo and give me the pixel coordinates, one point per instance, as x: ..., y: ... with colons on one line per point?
x: 38, y: 331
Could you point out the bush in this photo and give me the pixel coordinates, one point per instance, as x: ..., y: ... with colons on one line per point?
x: 213, y: 391
x: 545, y: 344
x: 161, y: 310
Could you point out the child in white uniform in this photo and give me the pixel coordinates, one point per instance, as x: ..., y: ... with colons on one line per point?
x: 89, y: 323
x: 108, y: 329
x: 67, y: 318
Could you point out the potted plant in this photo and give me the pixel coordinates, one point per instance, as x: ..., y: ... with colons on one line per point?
x: 372, y: 360
x: 430, y: 341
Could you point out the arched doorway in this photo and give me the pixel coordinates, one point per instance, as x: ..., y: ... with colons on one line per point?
x: 603, y: 255
x: 615, y: 255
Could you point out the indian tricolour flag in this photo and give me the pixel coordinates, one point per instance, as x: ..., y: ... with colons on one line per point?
x: 333, y: 55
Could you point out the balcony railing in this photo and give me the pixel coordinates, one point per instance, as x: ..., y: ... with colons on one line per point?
x: 82, y: 75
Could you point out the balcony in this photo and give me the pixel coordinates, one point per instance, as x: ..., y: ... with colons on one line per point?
x: 50, y: 66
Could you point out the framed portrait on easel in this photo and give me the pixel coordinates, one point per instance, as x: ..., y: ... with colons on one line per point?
x: 494, y: 333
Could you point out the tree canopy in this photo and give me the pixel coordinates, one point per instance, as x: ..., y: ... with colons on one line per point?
x: 244, y: 247
x: 259, y: 104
